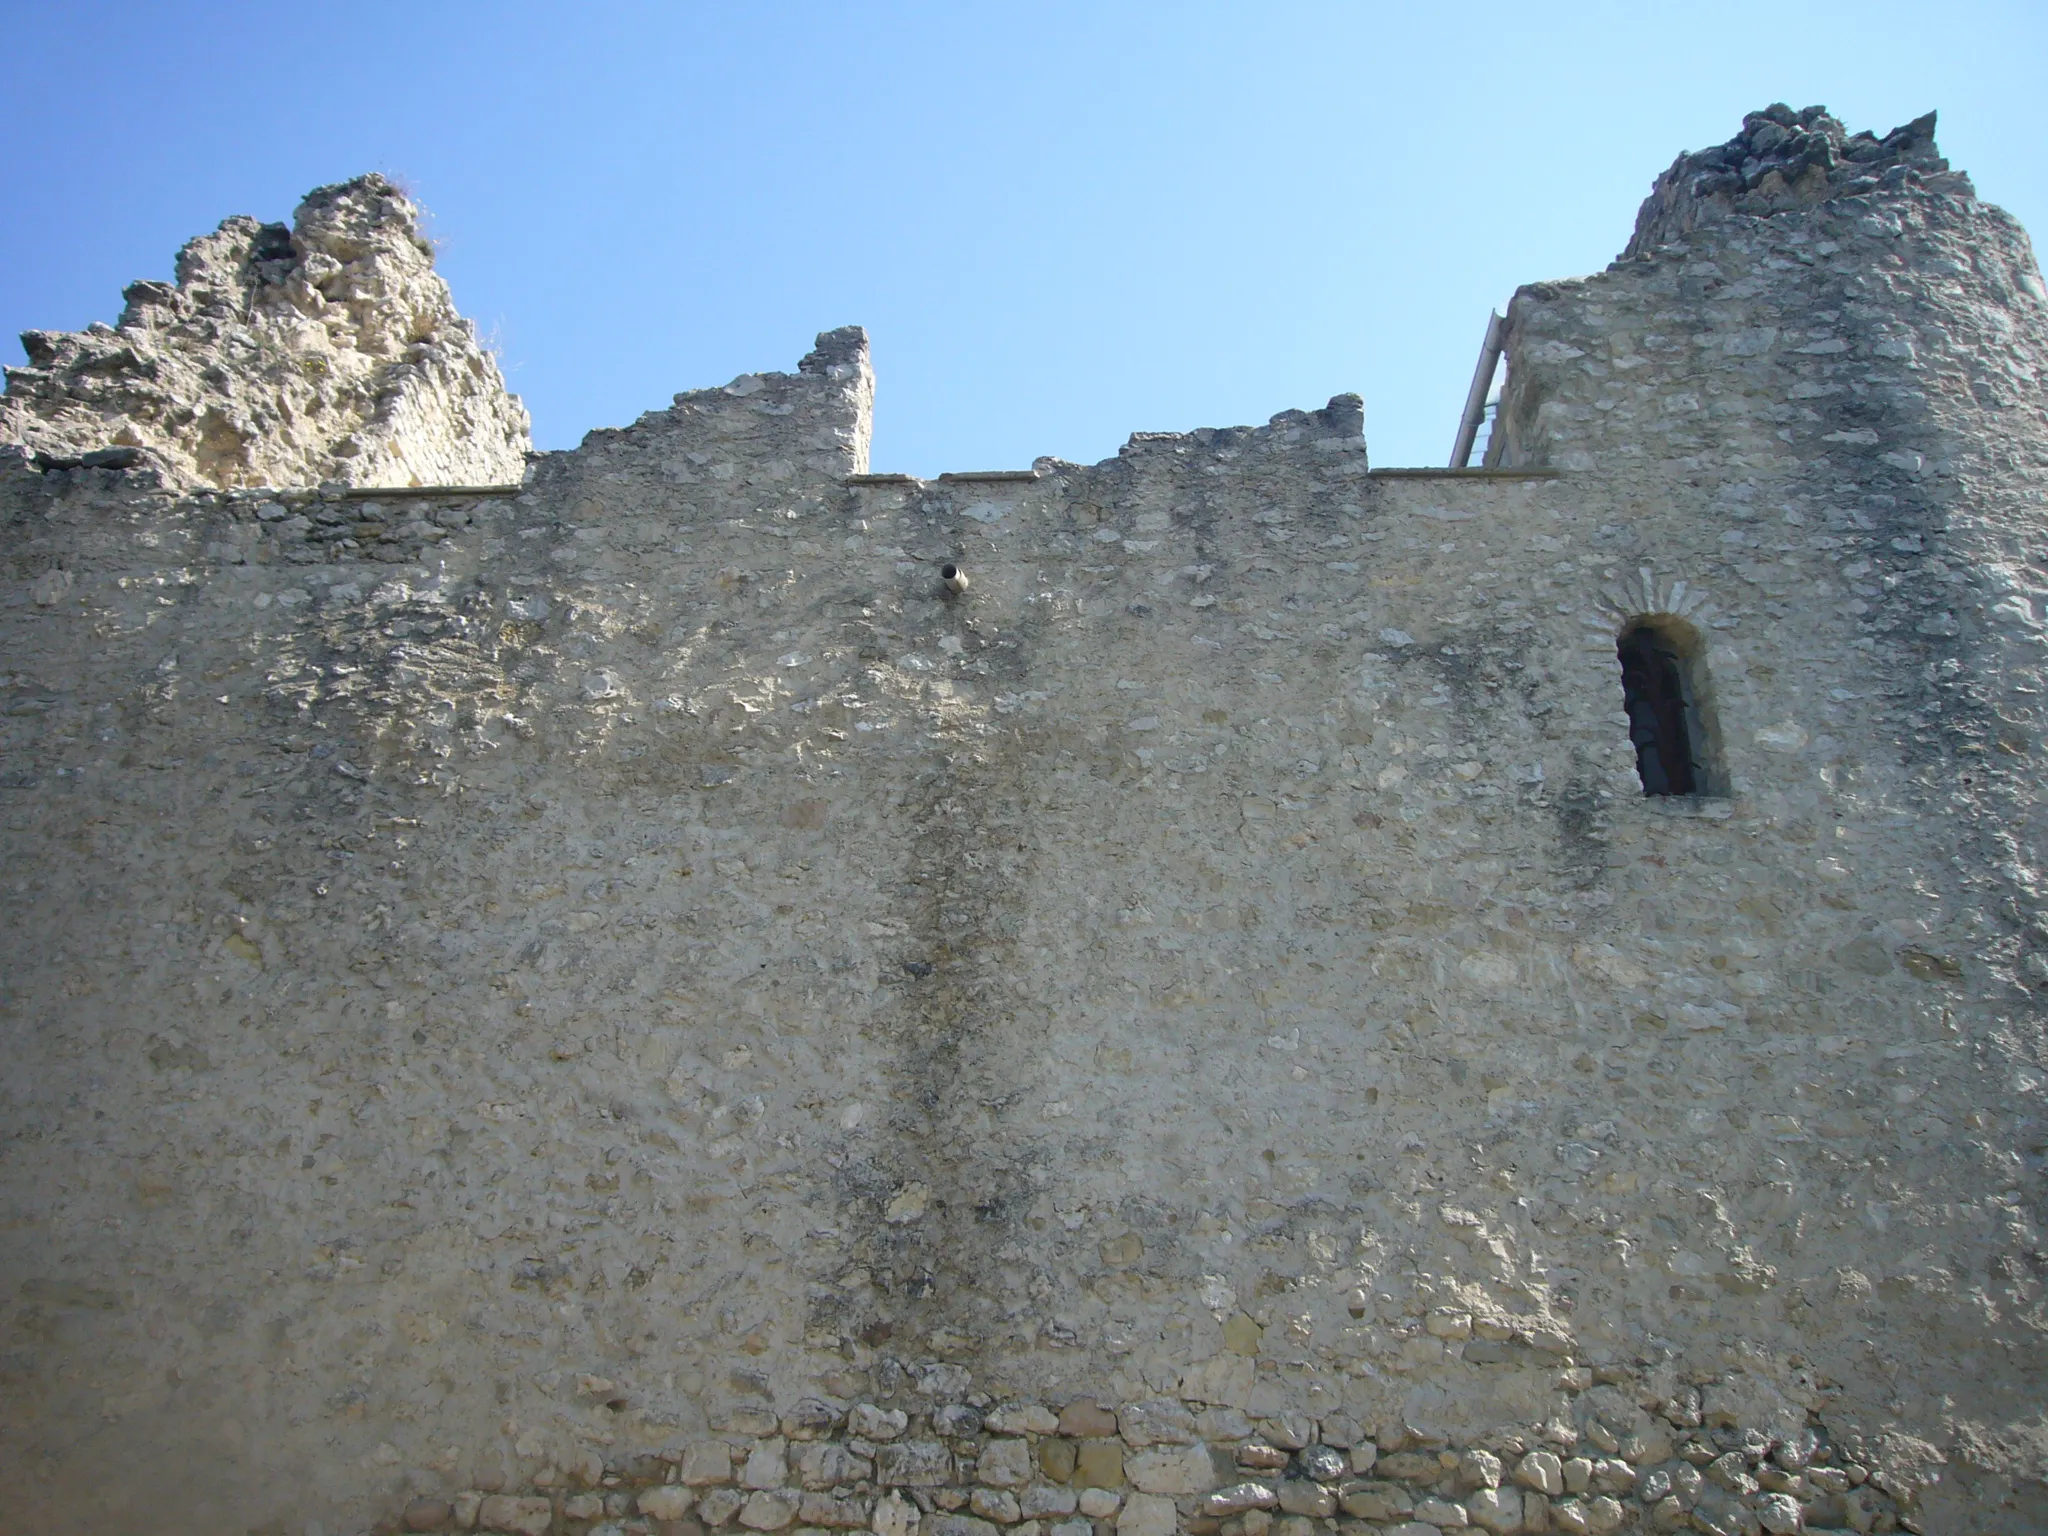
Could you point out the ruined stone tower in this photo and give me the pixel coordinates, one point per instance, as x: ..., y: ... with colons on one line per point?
x: 327, y: 351
x: 714, y: 989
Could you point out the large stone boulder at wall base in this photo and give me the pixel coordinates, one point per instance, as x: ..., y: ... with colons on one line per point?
x: 329, y: 351
x: 712, y: 990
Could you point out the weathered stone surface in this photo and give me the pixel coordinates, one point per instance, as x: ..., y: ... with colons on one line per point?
x: 1224, y: 1379
x: 1479, y: 1469
x: 1041, y: 1500
x: 826, y: 1463
x: 516, y: 1515
x: 1324, y: 1463
x: 705, y: 1462
x: 1786, y: 163
x: 1158, y: 1422
x: 1375, y: 1501
x: 1415, y: 1466
x: 1099, y: 1464
x: 716, y: 1506
x: 1180, y: 1470
x: 1005, y: 1463
x: 914, y: 1464
x: 1023, y: 1418
x: 894, y: 1515
x: 833, y: 1511
x: 668, y: 1501
x: 1257, y: 1456
x: 1084, y: 1418
x: 1238, y: 1497
x: 870, y: 1422
x: 1312, y: 1500
x: 1498, y: 1510
x: 1056, y: 1459
x: 1541, y: 1471
x: 1146, y: 1515
x: 767, y: 1465
x: 768, y: 1511
x: 1779, y: 1514
x: 329, y: 351
x: 997, y: 1504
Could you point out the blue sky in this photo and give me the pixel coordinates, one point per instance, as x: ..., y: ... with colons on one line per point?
x: 1060, y: 223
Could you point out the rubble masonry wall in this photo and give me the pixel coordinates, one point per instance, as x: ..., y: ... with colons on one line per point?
x: 628, y: 1008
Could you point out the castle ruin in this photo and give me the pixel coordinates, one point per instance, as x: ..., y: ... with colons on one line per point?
x: 684, y: 985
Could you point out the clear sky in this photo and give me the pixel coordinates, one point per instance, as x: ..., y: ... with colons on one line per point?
x: 1059, y: 222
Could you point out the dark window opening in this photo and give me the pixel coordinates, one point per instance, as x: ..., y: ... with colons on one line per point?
x: 1663, y: 722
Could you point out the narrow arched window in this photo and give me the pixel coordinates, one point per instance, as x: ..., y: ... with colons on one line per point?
x: 1666, y: 723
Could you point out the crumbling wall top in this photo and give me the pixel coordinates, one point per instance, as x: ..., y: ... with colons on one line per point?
x: 329, y: 350
x: 1783, y: 161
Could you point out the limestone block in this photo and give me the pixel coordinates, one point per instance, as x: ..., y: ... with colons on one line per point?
x: 1779, y: 1514
x: 997, y: 1504
x: 956, y: 1420
x: 1176, y: 1470
x: 1160, y: 1421
x: 1224, y: 1379
x: 1085, y: 1419
x: 1041, y: 1500
x: 1100, y: 1503
x: 1005, y: 1463
x: 1542, y: 1471
x: 768, y: 1511
x: 894, y: 1515
x: 914, y: 1464
x: 1238, y: 1497
x: 1056, y: 1459
x: 1146, y: 1514
x: 1023, y: 1419
x: 832, y: 1512
x: 1312, y: 1500
x: 719, y: 1505
x: 516, y: 1516
x: 1479, y: 1469
x: 1099, y: 1464
x: 705, y: 1462
x: 1375, y: 1500
x: 827, y: 1463
x: 1496, y: 1509
x: 873, y: 1423
x: 669, y: 1501
x: 767, y: 1465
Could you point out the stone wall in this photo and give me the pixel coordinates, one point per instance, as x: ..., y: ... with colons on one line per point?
x: 630, y: 1007
x: 327, y: 351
